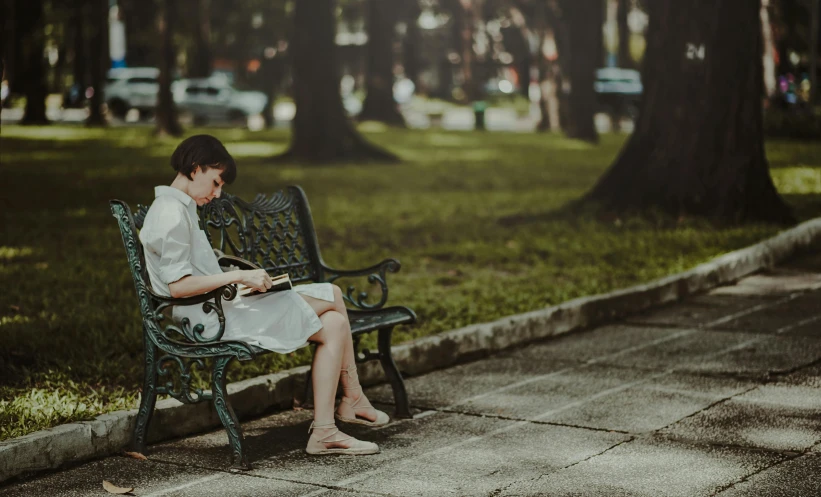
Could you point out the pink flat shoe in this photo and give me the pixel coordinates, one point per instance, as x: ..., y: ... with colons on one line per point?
x: 319, y: 446
x: 347, y: 411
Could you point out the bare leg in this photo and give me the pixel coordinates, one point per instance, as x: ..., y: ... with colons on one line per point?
x: 325, y: 437
x: 327, y: 364
x: 322, y: 307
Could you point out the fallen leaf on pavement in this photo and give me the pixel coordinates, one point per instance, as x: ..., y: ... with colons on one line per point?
x: 136, y: 455
x: 114, y: 489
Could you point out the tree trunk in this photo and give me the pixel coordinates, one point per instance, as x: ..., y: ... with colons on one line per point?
x: 321, y: 130
x: 12, y: 54
x: 379, y: 104
x: 98, y: 56
x: 625, y: 58
x: 698, y: 145
x: 585, y: 38
x: 553, y: 103
x: 517, y: 42
x: 140, y: 19
x: 79, y: 45
x: 201, y: 60
x: 412, y: 42
x: 166, y: 112
x: 30, y: 24
x: 815, y: 25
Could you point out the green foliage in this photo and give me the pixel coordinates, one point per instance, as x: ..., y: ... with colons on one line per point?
x: 475, y: 219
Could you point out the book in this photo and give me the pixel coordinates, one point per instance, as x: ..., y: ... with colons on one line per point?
x: 280, y: 282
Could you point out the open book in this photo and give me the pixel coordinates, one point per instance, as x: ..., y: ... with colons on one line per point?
x: 280, y: 282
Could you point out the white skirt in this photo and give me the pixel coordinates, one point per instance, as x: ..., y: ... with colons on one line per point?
x: 280, y: 321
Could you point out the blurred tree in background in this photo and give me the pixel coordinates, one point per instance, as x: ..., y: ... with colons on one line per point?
x: 540, y: 58
x: 167, y: 119
x: 379, y: 104
x: 321, y: 129
x: 698, y: 147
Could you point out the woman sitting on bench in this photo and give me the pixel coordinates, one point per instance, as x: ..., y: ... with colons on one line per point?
x: 181, y: 263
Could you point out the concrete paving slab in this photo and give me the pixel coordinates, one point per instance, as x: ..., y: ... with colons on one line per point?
x: 808, y: 377
x: 761, y: 357
x: 717, y: 352
x: 447, y: 387
x: 773, y: 417
x: 479, y: 464
x: 271, y: 436
x: 616, y: 339
x: 648, y: 468
x: 86, y: 480
x: 701, y: 310
x: 799, y: 477
x: 776, y: 281
x: 542, y: 399
x: 801, y: 315
x: 652, y: 405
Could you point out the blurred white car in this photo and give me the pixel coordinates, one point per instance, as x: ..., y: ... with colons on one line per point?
x: 215, y: 100
x: 131, y: 88
x: 205, y: 100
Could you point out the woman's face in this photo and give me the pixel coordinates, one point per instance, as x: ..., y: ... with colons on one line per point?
x: 206, y: 185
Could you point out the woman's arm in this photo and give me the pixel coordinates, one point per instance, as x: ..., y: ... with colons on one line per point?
x: 197, y: 285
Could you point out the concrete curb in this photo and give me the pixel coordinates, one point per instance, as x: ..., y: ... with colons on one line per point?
x: 110, y: 433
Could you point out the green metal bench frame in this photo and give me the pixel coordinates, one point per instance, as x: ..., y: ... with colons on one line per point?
x: 277, y: 233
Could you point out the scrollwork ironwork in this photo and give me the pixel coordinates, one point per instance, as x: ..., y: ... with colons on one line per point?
x: 186, y: 393
x: 377, y: 277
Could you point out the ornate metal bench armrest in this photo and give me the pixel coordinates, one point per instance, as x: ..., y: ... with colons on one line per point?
x: 376, y: 274
x: 211, y: 301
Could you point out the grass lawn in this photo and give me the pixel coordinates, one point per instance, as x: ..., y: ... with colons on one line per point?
x: 69, y: 320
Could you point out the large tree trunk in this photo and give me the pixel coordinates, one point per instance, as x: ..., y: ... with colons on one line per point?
x: 321, y: 130
x: 30, y: 23
x: 585, y: 19
x: 140, y: 19
x: 553, y: 48
x: 79, y: 45
x: 99, y: 55
x: 412, y: 41
x: 625, y: 58
x: 201, y: 59
x: 379, y: 104
x: 166, y: 112
x: 517, y: 41
x: 464, y: 16
x: 698, y: 146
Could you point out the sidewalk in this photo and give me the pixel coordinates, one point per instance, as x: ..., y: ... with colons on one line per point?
x: 719, y: 395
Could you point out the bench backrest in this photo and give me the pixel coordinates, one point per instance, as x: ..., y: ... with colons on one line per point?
x: 136, y: 257
x: 275, y: 232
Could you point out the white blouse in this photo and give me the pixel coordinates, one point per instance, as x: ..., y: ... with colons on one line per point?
x: 176, y: 247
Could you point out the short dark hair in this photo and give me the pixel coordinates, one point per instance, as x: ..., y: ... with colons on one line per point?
x: 206, y: 152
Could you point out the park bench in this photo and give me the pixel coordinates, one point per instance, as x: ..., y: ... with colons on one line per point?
x: 276, y: 233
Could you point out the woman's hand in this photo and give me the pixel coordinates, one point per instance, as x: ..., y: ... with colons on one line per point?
x: 257, y: 279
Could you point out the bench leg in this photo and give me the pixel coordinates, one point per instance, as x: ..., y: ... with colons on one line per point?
x: 400, y: 396
x: 149, y: 398
x: 226, y: 413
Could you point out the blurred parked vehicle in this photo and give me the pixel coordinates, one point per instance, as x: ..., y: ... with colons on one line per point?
x: 214, y: 99
x: 618, y: 91
x: 131, y: 88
